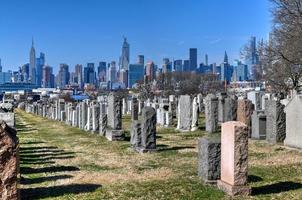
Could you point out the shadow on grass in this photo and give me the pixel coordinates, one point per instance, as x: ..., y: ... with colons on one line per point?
x: 28, y: 181
x: 254, y: 179
x: 46, y: 159
x: 276, y: 188
x: 175, y: 148
x: 36, y: 148
x: 51, y: 169
x: 33, y: 142
x: 55, y: 191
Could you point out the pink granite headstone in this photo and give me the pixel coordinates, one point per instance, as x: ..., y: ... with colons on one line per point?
x: 234, y: 159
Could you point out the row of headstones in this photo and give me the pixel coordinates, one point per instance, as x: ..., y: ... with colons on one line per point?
x: 269, y: 123
x: 279, y: 121
x: 103, y: 117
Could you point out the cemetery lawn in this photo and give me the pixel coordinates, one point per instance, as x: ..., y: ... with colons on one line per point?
x: 61, y: 162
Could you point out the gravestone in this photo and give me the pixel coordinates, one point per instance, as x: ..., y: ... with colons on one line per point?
x: 135, y: 140
x: 148, y: 130
x: 103, y: 120
x: 134, y: 109
x: 209, y: 150
x: 8, y: 117
x: 63, y: 116
x: 244, y: 113
x: 184, y: 113
x: 195, y: 115
x: 256, y: 98
x: 9, y: 162
x: 258, y: 125
x: 234, y: 159
x: 293, y: 112
x: 95, y: 117
x: 88, y: 126
x: 230, y: 108
x: 211, y: 113
x: 221, y: 106
x: 114, y: 118
x: 275, y: 121
x: 74, y: 118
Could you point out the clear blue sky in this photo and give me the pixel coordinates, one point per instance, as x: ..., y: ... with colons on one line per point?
x: 81, y: 31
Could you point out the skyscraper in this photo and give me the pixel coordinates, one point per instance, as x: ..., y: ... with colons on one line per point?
x: 40, y: 62
x: 178, y: 65
x: 89, y: 74
x: 124, y: 59
x: 167, y: 65
x: 112, y: 72
x: 186, y: 66
x: 226, y: 58
x: 47, y: 77
x: 206, y: 60
x: 141, y: 59
x: 78, y: 70
x: 102, y: 71
x: 32, y: 64
x: 135, y: 74
x: 63, y: 76
x: 193, y: 59
x: 150, y: 71
x: 123, y: 77
x: 25, y: 72
x: 226, y: 69
x: 252, y: 58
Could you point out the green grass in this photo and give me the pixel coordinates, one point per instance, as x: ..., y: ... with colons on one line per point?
x: 61, y: 162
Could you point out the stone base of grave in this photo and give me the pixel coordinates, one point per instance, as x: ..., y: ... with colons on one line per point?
x: 234, y: 190
x: 194, y: 128
x: 183, y: 130
x: 115, y: 135
x: 210, y: 182
x: 143, y: 150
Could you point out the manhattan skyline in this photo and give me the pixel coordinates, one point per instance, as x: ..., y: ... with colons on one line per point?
x: 75, y: 32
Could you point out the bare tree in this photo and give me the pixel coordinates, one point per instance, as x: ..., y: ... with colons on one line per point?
x: 283, y: 54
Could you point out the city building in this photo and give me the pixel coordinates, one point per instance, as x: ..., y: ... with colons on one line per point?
x: 178, y: 65
x: 78, y: 75
x: 240, y: 72
x: 112, y: 73
x: 89, y: 74
x: 15, y: 87
x: 167, y: 65
x: 193, y: 59
x: 206, y: 60
x: 47, y: 77
x: 32, y: 64
x: 226, y: 70
x: 150, y: 71
x: 186, y: 65
x: 252, y: 58
x: 123, y: 77
x: 102, y: 71
x: 141, y: 60
x: 25, y: 73
x: 0, y: 66
x: 124, y: 59
x: 40, y: 62
x: 5, y: 77
x: 63, y: 76
x: 136, y: 73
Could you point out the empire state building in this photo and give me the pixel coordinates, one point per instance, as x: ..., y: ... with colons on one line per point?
x: 32, y: 64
